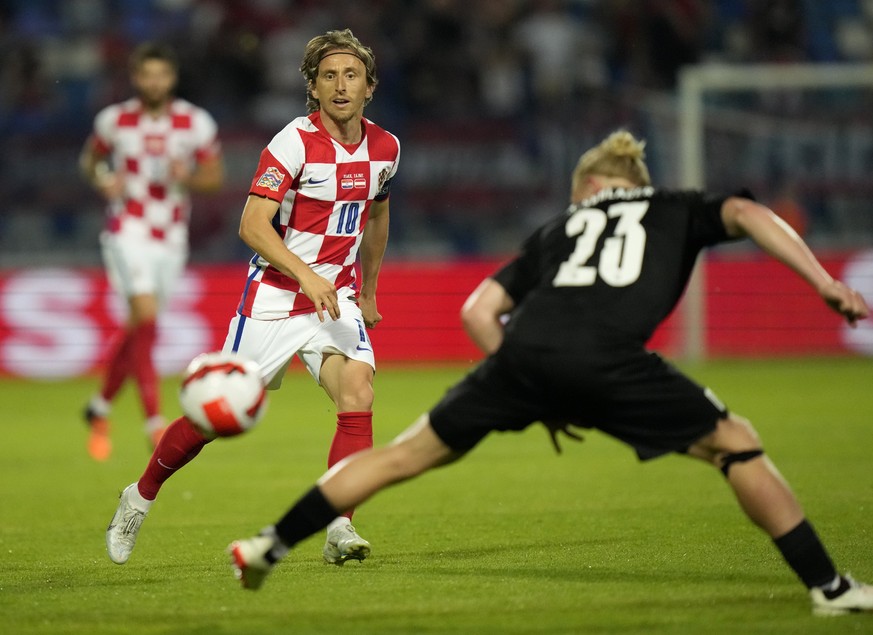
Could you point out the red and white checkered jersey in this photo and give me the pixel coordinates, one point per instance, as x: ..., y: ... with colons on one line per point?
x: 141, y: 148
x: 325, y: 190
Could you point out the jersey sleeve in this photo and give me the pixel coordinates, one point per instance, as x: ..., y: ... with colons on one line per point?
x: 272, y: 179
x: 206, y: 137
x: 706, y: 225
x: 281, y: 162
x: 521, y: 274
x: 105, y: 126
x: 385, y: 190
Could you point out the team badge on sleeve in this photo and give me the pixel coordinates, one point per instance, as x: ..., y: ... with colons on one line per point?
x: 383, y: 180
x: 271, y: 179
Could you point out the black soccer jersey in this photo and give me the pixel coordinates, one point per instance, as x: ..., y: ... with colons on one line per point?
x: 610, y: 267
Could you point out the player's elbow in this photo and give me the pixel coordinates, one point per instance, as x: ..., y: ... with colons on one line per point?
x: 247, y: 230
x: 483, y: 328
x: 211, y: 187
x: 215, y: 182
x: 208, y: 180
x: 474, y: 317
x: 739, y: 214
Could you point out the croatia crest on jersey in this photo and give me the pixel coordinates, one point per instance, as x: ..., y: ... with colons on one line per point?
x: 383, y: 179
x: 271, y: 179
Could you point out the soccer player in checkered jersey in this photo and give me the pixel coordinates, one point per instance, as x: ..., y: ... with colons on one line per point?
x: 319, y: 197
x: 144, y: 156
x: 583, y: 298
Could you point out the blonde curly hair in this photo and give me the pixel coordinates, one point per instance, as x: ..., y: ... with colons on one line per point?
x: 620, y: 155
x: 322, y: 45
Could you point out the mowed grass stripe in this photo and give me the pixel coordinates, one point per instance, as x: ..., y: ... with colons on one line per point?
x: 511, y: 540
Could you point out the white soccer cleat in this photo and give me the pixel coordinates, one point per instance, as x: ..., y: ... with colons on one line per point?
x: 249, y: 559
x: 343, y: 543
x: 857, y: 598
x: 123, y: 528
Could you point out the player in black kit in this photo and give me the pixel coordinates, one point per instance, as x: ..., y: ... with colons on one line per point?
x: 583, y: 297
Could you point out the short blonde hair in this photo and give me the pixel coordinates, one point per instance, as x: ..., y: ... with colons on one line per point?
x: 320, y: 46
x: 619, y: 155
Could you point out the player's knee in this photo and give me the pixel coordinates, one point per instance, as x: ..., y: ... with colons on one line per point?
x: 417, y: 450
x: 403, y: 462
x: 351, y: 390
x: 358, y: 382
x: 734, y: 440
x: 733, y: 458
x: 737, y: 432
x: 738, y: 441
x: 357, y: 398
x: 143, y: 309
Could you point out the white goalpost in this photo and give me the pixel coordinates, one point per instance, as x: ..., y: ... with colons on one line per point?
x: 696, y: 83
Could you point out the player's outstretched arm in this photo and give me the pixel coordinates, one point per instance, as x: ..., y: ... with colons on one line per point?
x: 743, y: 217
x: 845, y: 301
x: 482, y: 312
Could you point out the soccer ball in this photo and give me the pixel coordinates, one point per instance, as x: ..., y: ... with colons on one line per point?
x: 223, y: 394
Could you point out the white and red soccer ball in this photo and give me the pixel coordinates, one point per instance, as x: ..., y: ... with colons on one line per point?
x: 223, y: 394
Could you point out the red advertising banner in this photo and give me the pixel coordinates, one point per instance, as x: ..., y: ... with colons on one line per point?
x: 60, y: 322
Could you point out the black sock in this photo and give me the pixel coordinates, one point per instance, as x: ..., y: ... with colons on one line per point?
x: 842, y: 587
x: 309, y: 514
x: 804, y: 553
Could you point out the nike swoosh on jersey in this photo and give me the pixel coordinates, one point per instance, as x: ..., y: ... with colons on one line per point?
x: 314, y: 182
x: 363, y: 348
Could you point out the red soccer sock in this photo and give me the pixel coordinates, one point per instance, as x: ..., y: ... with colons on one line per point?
x: 180, y: 443
x: 142, y: 364
x: 118, y: 366
x: 354, y: 432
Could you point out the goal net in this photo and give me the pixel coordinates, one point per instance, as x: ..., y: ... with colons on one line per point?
x: 800, y: 137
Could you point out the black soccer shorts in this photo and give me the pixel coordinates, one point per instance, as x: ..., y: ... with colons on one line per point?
x: 636, y: 397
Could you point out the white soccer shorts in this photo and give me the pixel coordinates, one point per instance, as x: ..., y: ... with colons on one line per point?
x: 142, y: 267
x: 273, y: 343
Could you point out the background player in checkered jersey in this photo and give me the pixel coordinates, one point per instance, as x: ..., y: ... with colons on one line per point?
x: 584, y: 296
x: 320, y: 193
x: 144, y: 156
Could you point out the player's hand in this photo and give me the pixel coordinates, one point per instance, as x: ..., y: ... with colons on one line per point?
x: 556, y: 427
x: 323, y: 295
x: 109, y: 184
x: 180, y: 172
x: 368, y: 310
x: 845, y: 301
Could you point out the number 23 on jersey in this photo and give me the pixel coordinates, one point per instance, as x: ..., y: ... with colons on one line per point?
x: 621, y: 255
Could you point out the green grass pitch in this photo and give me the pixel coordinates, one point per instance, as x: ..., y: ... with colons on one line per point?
x: 511, y: 540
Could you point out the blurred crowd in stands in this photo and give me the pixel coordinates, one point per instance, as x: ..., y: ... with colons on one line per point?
x: 521, y: 85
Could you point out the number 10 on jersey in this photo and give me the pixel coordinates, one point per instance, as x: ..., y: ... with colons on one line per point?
x: 347, y: 223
